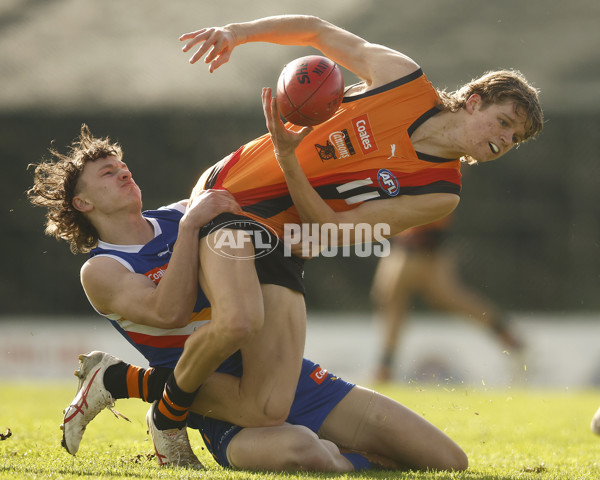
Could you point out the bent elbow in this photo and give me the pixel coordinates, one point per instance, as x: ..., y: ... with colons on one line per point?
x: 174, y: 321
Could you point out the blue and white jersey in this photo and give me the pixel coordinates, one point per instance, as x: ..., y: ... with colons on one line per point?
x: 160, y: 346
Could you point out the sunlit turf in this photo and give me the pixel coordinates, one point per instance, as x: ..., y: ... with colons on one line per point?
x: 507, y: 434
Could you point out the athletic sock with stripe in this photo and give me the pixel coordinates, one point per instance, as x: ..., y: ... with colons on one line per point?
x: 123, y: 380
x: 172, y: 409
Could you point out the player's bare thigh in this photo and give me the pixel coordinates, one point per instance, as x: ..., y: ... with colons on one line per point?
x: 228, y: 277
x: 368, y: 421
x: 272, y: 362
x: 285, y: 447
x: 273, y: 357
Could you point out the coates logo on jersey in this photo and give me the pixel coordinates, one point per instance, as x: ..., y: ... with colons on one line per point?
x: 157, y: 273
x: 364, y: 133
x: 318, y: 375
x: 388, y: 182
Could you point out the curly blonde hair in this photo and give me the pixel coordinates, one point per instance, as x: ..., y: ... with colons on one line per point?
x: 55, y: 185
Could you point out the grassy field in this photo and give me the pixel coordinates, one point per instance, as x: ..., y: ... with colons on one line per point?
x: 508, y: 434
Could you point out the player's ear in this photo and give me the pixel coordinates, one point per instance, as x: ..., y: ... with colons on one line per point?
x: 80, y: 204
x: 473, y: 102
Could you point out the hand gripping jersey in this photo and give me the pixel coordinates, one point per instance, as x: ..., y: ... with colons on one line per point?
x: 161, y: 347
x: 362, y: 153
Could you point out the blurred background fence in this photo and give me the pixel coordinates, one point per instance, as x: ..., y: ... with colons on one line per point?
x: 528, y: 227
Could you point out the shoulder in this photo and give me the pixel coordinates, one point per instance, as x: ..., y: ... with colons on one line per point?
x: 103, y: 268
x: 173, y: 210
x: 408, y: 83
x: 388, y: 65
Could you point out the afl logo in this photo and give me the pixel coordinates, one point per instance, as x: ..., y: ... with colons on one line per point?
x: 236, y: 234
x: 388, y: 182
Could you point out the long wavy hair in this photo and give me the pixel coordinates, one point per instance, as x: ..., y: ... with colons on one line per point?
x: 56, y: 182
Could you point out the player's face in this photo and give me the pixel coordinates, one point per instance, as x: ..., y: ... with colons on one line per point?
x: 107, y: 184
x: 494, y: 130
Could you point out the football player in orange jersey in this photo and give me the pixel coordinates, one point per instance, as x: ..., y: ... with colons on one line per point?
x: 408, y: 175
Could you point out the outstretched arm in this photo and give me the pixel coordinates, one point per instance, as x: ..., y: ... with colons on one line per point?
x: 375, y: 64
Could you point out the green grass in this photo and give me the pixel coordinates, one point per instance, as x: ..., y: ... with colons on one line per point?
x: 507, y: 434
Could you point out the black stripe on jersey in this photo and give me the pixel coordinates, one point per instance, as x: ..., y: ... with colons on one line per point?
x: 273, y: 206
x: 442, y: 186
x: 436, y: 187
x: 212, y: 177
x: 419, y: 121
x: 432, y: 158
x: 416, y: 124
x: 270, y: 207
x: 388, y: 86
x: 330, y: 192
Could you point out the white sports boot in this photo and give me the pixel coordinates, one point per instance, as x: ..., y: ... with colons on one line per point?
x: 90, y: 400
x: 172, y: 447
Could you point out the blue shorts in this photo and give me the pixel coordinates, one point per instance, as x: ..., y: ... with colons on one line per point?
x: 317, y: 393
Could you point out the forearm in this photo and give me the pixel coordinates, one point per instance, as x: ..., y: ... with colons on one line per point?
x: 311, y: 207
x: 282, y: 30
x: 339, y: 45
x: 375, y: 64
x: 175, y: 295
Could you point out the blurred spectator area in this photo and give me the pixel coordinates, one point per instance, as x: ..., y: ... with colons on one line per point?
x: 527, y: 228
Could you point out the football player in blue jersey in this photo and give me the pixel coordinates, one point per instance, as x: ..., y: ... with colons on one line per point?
x: 94, y: 204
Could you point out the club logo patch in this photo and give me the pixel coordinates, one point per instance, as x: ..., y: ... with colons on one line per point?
x: 338, y: 145
x: 388, y: 182
x: 318, y: 375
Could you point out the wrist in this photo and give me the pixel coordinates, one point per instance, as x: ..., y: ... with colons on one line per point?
x: 237, y: 32
x: 188, y: 227
x: 284, y: 155
x: 287, y: 161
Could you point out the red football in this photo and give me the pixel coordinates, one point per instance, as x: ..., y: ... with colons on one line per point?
x: 309, y: 90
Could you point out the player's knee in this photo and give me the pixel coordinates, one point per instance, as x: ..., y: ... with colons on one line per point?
x: 269, y: 413
x: 305, y: 451
x: 238, y: 331
x: 276, y: 414
x: 457, y: 460
x: 235, y: 324
x: 277, y: 406
x: 450, y: 458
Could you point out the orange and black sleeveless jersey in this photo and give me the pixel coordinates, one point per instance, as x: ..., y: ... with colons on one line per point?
x: 362, y: 153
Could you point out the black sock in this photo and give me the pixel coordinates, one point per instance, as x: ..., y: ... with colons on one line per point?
x: 115, y: 380
x: 123, y: 380
x: 172, y: 409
